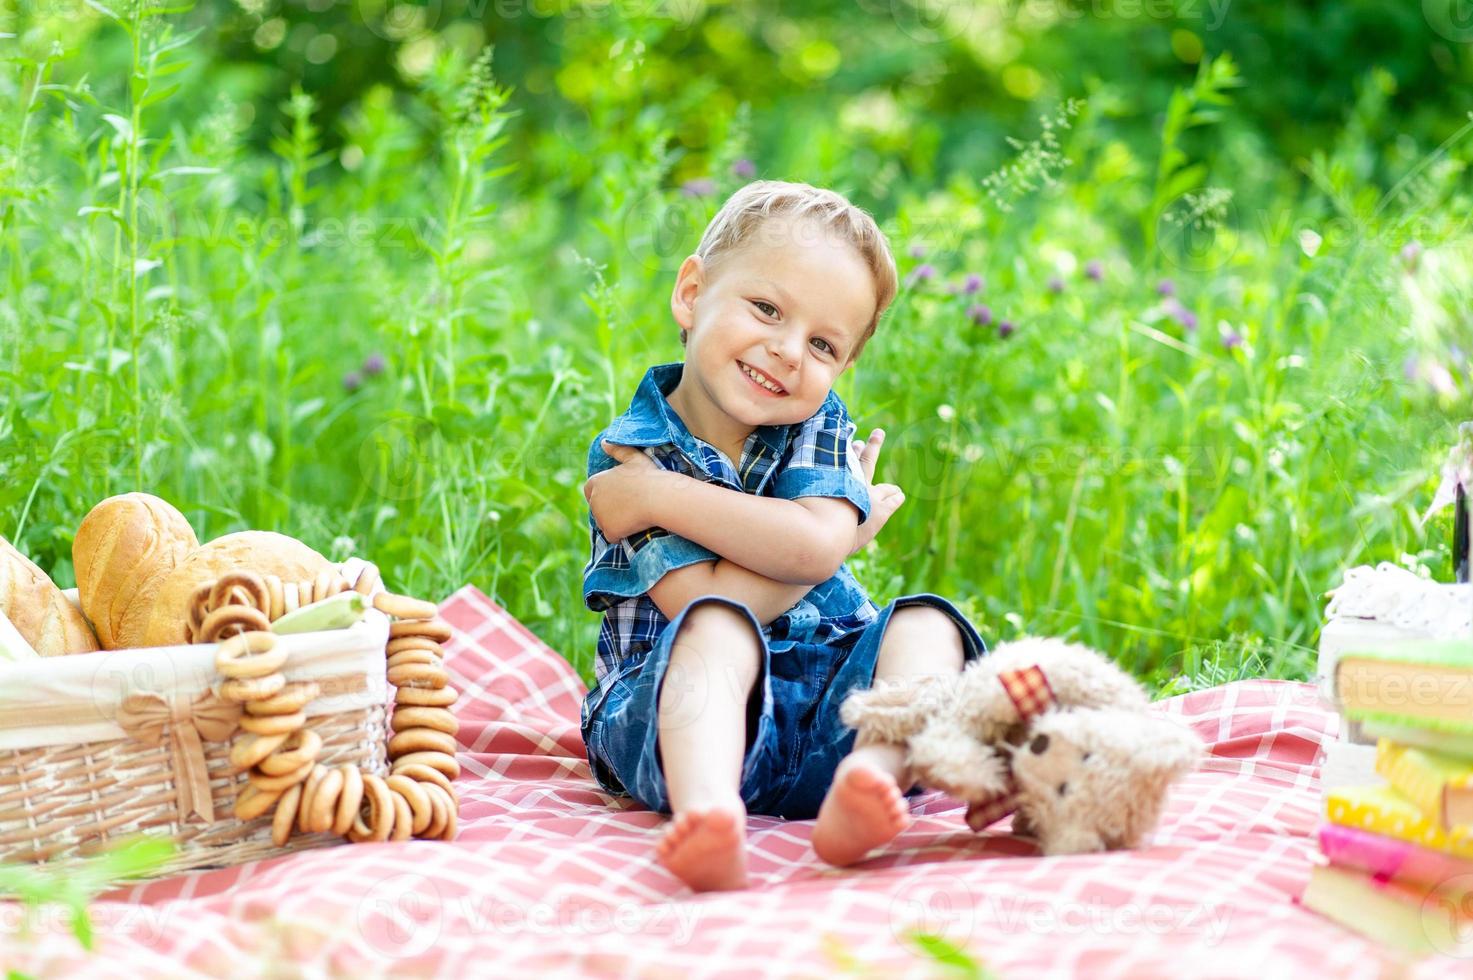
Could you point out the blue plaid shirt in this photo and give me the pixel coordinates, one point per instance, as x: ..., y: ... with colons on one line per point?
x: 807, y: 459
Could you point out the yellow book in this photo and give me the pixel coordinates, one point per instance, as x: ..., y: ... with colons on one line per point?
x: 1383, y: 810
x: 1441, y: 785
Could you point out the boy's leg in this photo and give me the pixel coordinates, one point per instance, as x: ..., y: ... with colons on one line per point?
x: 702, y: 718
x: 865, y: 805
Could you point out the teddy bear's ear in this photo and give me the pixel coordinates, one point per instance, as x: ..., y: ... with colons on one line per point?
x: 1175, y: 749
x: 1157, y: 746
x: 1160, y: 751
x: 893, y: 710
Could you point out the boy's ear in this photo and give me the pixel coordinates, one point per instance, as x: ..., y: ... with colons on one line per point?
x: 688, y: 283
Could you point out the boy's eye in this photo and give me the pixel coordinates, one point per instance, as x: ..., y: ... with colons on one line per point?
x: 827, y: 348
x: 761, y: 303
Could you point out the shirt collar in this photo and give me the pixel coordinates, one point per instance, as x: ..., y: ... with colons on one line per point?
x: 651, y: 421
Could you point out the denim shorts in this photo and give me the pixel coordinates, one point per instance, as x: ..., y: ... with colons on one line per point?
x: 795, y: 739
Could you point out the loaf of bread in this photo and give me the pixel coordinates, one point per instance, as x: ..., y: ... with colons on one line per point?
x: 122, y: 545
x: 38, y: 609
x: 262, y: 552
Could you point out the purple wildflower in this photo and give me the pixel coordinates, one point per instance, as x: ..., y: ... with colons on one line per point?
x: 923, y: 273
x: 374, y: 364
x: 1411, y: 368
x: 1094, y: 270
x: 918, y: 250
x: 1055, y: 285
x: 973, y: 284
x: 1005, y: 329
x: 1166, y: 288
x: 1232, y: 340
x: 744, y: 168
x: 1180, y: 313
x: 1410, y: 253
x: 979, y: 314
x: 700, y: 187
x: 352, y: 381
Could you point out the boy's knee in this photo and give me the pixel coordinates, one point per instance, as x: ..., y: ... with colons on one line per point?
x: 925, y: 617
x: 932, y: 628
x: 706, y: 616
x: 716, y: 629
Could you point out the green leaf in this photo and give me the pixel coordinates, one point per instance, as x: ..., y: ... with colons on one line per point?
x: 82, y: 925
x: 123, y: 127
x: 106, y: 11
x: 183, y: 172
x: 168, y: 11
x: 946, y: 953
x: 139, y: 856
x: 176, y: 41
x: 306, y: 410
x: 154, y: 98
x: 1184, y: 180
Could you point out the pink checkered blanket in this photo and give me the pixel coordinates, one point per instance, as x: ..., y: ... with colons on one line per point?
x: 551, y: 876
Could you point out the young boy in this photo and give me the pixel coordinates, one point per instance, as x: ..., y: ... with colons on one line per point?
x: 723, y: 506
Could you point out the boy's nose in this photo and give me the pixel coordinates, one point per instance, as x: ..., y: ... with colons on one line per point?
x: 787, y: 351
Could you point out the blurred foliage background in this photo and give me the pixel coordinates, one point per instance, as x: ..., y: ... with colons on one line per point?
x: 1184, y: 331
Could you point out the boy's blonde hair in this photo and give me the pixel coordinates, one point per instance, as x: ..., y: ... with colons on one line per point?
x: 747, y: 210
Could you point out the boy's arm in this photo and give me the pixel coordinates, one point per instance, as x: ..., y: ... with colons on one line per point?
x: 778, y: 537
x: 797, y: 542
x: 768, y: 599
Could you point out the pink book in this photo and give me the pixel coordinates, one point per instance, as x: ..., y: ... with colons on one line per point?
x: 1387, y: 857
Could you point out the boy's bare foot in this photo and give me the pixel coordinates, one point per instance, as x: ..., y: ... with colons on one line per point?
x: 705, y: 847
x: 863, y: 809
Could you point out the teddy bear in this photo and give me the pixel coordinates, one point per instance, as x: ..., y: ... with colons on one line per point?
x: 1048, y: 730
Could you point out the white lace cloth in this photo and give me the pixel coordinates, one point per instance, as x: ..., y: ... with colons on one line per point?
x: 1390, y: 594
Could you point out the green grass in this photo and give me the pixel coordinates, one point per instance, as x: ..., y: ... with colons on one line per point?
x: 182, y: 306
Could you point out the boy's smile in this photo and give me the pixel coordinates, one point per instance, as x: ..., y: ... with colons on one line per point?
x: 763, y: 380
x: 770, y: 327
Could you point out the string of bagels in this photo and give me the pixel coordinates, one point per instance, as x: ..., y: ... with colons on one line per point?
x: 417, y: 798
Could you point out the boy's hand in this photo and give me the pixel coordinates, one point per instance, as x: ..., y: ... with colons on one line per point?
x: 884, y: 498
x: 619, y: 496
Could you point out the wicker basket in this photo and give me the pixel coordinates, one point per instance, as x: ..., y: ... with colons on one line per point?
x: 73, y: 777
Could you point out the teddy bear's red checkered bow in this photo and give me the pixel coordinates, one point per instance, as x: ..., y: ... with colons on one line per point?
x: 1031, y: 695
x: 1029, y: 690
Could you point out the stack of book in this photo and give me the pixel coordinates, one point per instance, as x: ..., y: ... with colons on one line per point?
x: 1398, y: 845
x: 1384, y: 607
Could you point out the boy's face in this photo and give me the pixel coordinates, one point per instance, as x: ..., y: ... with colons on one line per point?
x: 791, y: 303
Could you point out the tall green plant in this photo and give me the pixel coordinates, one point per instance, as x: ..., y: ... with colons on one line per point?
x: 156, y: 53
x: 1176, y: 176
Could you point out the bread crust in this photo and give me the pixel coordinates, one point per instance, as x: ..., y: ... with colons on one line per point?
x: 40, y: 612
x: 125, y: 545
x: 262, y: 552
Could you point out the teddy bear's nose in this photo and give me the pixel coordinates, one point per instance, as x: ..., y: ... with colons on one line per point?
x: 1039, y: 745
